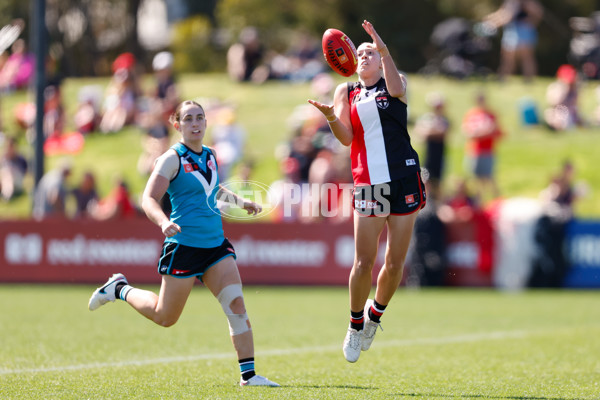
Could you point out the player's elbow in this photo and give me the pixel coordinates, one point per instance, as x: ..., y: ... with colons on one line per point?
x: 397, y: 94
x: 399, y: 91
x: 346, y: 141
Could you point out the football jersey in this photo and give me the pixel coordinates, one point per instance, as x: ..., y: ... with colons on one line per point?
x: 192, y: 193
x: 381, y: 150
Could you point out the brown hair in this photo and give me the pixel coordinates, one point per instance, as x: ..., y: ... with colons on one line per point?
x: 176, y: 115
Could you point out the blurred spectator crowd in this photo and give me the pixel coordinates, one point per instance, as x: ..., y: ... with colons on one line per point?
x: 309, y: 159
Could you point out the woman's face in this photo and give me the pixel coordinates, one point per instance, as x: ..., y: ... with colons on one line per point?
x: 369, y: 60
x: 192, y: 123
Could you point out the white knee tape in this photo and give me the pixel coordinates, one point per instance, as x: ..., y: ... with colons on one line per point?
x: 238, y: 323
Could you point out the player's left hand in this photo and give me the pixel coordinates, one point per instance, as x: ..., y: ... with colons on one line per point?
x: 326, y: 109
x: 251, y: 207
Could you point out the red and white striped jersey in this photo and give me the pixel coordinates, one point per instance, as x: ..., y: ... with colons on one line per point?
x: 381, y: 150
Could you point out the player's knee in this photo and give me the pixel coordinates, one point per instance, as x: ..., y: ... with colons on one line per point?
x: 237, y: 305
x: 165, y: 321
x: 232, y: 302
x: 364, y: 265
x: 394, y: 266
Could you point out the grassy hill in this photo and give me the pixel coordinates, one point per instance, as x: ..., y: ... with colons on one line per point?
x: 527, y: 156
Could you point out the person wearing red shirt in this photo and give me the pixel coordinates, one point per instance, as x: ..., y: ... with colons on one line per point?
x: 482, y: 130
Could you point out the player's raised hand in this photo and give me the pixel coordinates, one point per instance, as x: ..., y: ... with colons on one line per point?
x: 370, y: 29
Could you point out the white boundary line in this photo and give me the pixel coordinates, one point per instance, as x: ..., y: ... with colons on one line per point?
x: 466, y: 338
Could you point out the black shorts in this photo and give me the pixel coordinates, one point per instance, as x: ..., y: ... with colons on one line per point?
x: 183, y: 261
x: 400, y: 197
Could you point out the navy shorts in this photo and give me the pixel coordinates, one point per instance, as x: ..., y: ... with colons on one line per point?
x: 183, y: 261
x: 400, y: 197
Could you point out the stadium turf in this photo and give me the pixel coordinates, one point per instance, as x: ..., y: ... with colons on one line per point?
x: 436, y: 344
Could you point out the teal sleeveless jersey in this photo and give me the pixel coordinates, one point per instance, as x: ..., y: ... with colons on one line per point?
x: 193, y: 199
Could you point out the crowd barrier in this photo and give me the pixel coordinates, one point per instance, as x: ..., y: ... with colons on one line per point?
x: 482, y: 252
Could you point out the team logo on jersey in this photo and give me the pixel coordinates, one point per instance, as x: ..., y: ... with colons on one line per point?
x: 382, y: 102
x: 409, y: 198
x: 191, y: 167
x: 410, y: 161
x: 207, y: 178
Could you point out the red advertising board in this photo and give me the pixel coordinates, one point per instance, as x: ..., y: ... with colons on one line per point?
x: 469, y: 251
x: 89, y: 251
x: 63, y: 251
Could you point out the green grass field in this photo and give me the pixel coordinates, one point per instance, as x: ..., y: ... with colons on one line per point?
x: 436, y: 344
x: 527, y: 157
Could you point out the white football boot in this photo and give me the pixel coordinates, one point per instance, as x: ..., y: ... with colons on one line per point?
x: 105, y: 293
x: 370, y: 328
x: 352, y: 345
x: 258, y: 380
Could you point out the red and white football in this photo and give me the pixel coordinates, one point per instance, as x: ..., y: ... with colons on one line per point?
x: 339, y: 52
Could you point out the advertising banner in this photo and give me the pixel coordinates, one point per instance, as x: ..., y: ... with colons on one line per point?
x: 583, y: 249
x: 469, y: 251
x: 88, y: 251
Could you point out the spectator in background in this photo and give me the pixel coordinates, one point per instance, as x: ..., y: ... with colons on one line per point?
x: 562, y: 192
x: 245, y: 58
x: 242, y: 184
x: 228, y: 138
x: 428, y: 249
x: 54, y: 112
x: 117, y: 205
x: 285, y: 194
x: 301, y: 62
x: 50, y: 194
x: 13, y: 167
x: 85, y: 195
x: 1, y: 120
x: 156, y: 134
x: 166, y: 87
x: 463, y: 208
x: 433, y: 127
x: 17, y: 71
x: 330, y: 174
x: 562, y: 96
x: 460, y: 205
x: 87, y: 116
x: 482, y: 130
x: 322, y: 86
x: 551, y: 262
x: 519, y: 19
x: 154, y: 117
x: 119, y: 107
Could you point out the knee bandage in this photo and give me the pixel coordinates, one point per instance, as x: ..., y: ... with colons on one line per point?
x: 238, y: 323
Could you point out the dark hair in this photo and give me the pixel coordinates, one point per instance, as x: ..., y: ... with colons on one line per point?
x: 176, y: 115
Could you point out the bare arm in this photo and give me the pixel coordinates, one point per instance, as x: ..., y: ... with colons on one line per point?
x: 535, y: 11
x: 501, y: 16
x: 338, y: 115
x: 153, y: 193
x: 395, y: 82
x: 231, y: 197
